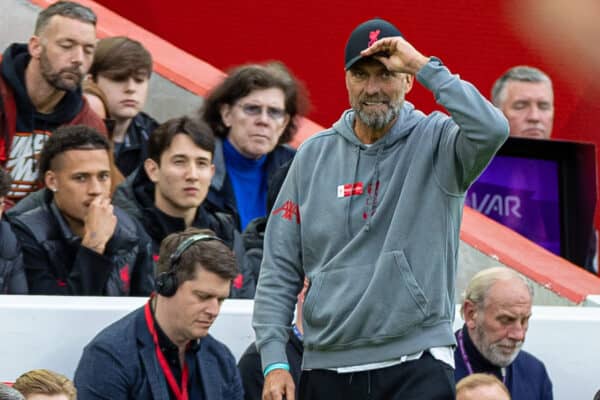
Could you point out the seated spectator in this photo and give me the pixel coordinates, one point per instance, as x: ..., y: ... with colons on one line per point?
x: 481, y: 387
x: 163, y: 350
x: 525, y: 96
x: 121, y: 70
x: 76, y: 242
x: 42, y: 384
x: 253, y: 113
x: 9, y: 393
x: 167, y: 193
x: 496, y: 310
x: 250, y: 366
x: 40, y: 88
x: 12, y: 274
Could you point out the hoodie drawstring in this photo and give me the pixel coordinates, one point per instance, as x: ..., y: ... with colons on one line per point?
x: 373, y: 192
x: 356, y: 150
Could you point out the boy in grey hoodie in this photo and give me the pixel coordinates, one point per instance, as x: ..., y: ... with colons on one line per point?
x: 370, y: 212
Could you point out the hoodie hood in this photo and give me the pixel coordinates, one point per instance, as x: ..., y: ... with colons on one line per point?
x: 14, y: 62
x: 403, y: 126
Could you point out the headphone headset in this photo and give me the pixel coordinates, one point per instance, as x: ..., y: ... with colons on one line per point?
x: 166, y: 282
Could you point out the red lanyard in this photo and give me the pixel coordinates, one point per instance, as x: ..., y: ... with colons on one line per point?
x: 163, y: 361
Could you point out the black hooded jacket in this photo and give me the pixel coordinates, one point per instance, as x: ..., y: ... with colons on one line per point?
x: 24, y: 130
x: 14, y: 61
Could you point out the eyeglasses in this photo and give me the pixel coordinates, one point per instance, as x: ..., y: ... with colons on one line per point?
x: 254, y: 110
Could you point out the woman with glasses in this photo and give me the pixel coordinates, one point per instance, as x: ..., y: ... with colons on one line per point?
x: 253, y: 112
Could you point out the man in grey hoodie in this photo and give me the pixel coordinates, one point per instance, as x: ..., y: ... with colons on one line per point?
x: 370, y: 212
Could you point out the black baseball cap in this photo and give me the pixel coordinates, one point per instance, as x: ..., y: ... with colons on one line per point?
x: 366, y: 34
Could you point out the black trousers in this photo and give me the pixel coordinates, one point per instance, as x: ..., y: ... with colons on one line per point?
x: 422, y: 379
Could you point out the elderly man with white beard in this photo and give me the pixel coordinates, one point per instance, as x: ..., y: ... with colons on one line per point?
x: 496, y: 310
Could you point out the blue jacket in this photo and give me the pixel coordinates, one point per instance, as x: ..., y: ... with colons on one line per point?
x: 221, y: 197
x: 120, y: 363
x: 526, y: 377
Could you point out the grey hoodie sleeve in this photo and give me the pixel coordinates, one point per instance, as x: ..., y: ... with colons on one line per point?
x: 281, y: 273
x: 465, y: 143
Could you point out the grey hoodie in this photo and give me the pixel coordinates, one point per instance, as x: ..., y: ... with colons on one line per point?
x: 376, y: 231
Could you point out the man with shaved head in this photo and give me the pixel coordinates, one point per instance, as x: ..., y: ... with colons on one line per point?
x: 496, y: 310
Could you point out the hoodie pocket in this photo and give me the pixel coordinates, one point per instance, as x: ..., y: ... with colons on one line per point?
x: 363, y: 304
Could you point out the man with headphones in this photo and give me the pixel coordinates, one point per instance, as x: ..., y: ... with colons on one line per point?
x: 163, y: 350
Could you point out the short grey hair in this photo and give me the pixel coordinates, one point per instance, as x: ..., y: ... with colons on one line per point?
x: 520, y: 73
x: 68, y: 9
x: 8, y: 393
x: 479, y: 286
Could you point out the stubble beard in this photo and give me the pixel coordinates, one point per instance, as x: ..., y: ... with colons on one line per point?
x: 55, y: 79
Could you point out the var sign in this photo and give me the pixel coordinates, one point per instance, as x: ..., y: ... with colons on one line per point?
x: 488, y: 204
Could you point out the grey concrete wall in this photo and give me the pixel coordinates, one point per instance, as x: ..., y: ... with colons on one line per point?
x: 165, y: 100
x: 17, y: 19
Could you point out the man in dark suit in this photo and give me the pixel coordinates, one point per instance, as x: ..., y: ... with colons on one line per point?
x: 163, y: 350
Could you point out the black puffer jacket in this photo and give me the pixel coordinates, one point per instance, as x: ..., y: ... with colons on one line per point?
x: 12, y: 274
x: 57, y: 263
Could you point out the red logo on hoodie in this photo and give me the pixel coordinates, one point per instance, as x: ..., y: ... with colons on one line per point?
x: 289, y: 210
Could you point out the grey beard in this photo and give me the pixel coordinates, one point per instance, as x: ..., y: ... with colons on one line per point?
x: 377, y: 121
x: 491, y: 353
